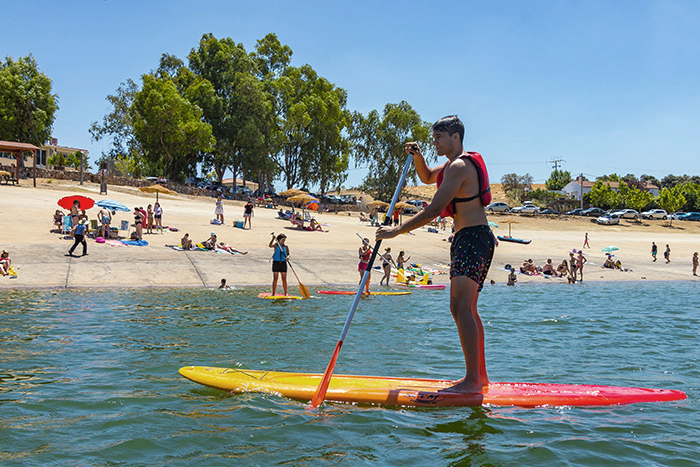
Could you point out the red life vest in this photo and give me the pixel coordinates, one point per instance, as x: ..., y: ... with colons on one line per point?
x: 484, y: 185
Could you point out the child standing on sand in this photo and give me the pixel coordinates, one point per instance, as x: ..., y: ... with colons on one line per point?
x: 667, y: 254
x: 585, y: 242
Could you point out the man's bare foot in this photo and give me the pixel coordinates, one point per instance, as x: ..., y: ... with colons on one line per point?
x: 466, y: 387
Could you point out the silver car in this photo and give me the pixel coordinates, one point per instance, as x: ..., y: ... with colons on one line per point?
x: 655, y: 214
x: 609, y: 219
x: 498, y: 207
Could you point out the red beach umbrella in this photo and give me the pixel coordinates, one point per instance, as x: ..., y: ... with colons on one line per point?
x: 67, y: 201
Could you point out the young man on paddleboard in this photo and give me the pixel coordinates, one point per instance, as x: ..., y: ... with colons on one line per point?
x: 463, y: 192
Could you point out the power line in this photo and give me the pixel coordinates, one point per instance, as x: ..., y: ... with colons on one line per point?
x: 556, y: 163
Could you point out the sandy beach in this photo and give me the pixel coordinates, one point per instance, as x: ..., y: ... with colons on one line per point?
x: 39, y: 253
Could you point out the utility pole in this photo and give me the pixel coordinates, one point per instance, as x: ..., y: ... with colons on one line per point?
x: 556, y: 163
x: 581, y: 186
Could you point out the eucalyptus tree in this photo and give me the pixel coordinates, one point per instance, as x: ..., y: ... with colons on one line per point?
x: 118, y: 126
x: 169, y: 127
x: 310, y: 119
x: 233, y: 101
x: 379, y: 142
x: 27, y: 105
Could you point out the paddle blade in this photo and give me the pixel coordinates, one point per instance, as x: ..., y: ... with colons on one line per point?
x: 400, y: 277
x: 326, y: 380
x: 304, y: 291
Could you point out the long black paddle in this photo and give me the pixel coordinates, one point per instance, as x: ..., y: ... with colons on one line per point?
x: 325, y: 381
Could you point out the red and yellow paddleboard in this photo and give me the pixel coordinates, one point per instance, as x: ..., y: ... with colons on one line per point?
x: 420, y: 392
x: 269, y: 296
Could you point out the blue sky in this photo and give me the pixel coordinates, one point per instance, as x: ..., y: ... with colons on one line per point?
x: 607, y: 86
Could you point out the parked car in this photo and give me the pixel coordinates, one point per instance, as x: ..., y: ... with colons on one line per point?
x: 549, y: 211
x: 655, y: 214
x: 418, y: 204
x: 676, y: 215
x: 609, y: 219
x: 593, y: 212
x: 348, y: 199
x: 575, y: 212
x: 331, y: 199
x: 244, y: 190
x: 690, y: 216
x: 527, y: 207
x: 628, y: 214
x: 193, y: 181
x: 498, y: 207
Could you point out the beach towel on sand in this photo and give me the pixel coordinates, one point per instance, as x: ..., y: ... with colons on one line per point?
x: 135, y: 242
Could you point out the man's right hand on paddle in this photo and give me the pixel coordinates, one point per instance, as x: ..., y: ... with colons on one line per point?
x: 386, y: 232
x: 413, y: 148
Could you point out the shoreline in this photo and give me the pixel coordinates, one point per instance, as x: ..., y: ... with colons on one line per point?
x: 327, y: 259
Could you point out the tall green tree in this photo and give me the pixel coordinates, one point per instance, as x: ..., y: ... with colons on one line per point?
x: 637, y: 199
x: 27, y: 106
x: 604, y: 196
x: 558, y: 179
x: 118, y: 126
x: 516, y: 185
x: 169, y: 128
x: 234, y: 104
x: 671, y: 200
x: 310, y: 119
x: 378, y: 141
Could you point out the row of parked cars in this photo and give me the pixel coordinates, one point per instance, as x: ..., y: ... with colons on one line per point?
x: 604, y: 217
x: 614, y: 217
x: 219, y: 187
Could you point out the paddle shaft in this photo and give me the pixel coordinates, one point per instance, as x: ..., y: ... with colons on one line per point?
x: 325, y: 381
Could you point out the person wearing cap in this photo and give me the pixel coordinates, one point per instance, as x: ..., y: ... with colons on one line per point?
x: 279, y: 261
x: 79, y: 238
x: 386, y: 265
x: 210, y: 243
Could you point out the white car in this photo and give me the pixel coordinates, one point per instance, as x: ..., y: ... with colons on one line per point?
x: 676, y: 215
x: 498, y: 207
x: 527, y: 207
x: 609, y: 219
x: 655, y: 214
x: 628, y: 214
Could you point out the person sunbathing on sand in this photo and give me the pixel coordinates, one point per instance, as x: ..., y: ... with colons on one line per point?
x: 231, y: 249
x: 563, y: 269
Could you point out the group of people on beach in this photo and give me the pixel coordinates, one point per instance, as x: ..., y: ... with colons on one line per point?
x: 151, y: 217
x: 571, y: 269
x: 247, y: 212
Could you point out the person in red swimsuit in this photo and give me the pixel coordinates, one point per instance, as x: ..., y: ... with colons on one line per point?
x: 364, y: 253
x: 462, y: 192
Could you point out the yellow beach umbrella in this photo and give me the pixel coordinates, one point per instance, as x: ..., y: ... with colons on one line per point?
x: 292, y: 192
x: 302, y: 198
x: 157, y: 189
x: 377, y: 203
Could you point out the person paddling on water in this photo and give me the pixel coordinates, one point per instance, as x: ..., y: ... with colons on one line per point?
x: 463, y: 191
x: 364, y: 253
x: 279, y: 261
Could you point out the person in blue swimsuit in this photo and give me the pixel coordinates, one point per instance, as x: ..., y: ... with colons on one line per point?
x: 459, y: 181
x: 279, y: 261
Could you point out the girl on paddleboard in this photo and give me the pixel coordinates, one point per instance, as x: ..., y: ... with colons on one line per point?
x: 279, y: 261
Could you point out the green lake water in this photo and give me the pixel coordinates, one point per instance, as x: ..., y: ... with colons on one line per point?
x: 89, y: 377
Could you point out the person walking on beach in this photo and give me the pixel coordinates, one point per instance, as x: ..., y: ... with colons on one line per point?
x: 585, y: 242
x: 695, y: 263
x: 279, y: 261
x: 580, y: 260
x: 248, y: 214
x: 364, y: 253
x: 462, y: 193
x: 219, y: 209
x: 667, y: 254
x: 386, y: 265
x: 79, y: 238
x: 158, y: 216
x: 654, y: 251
